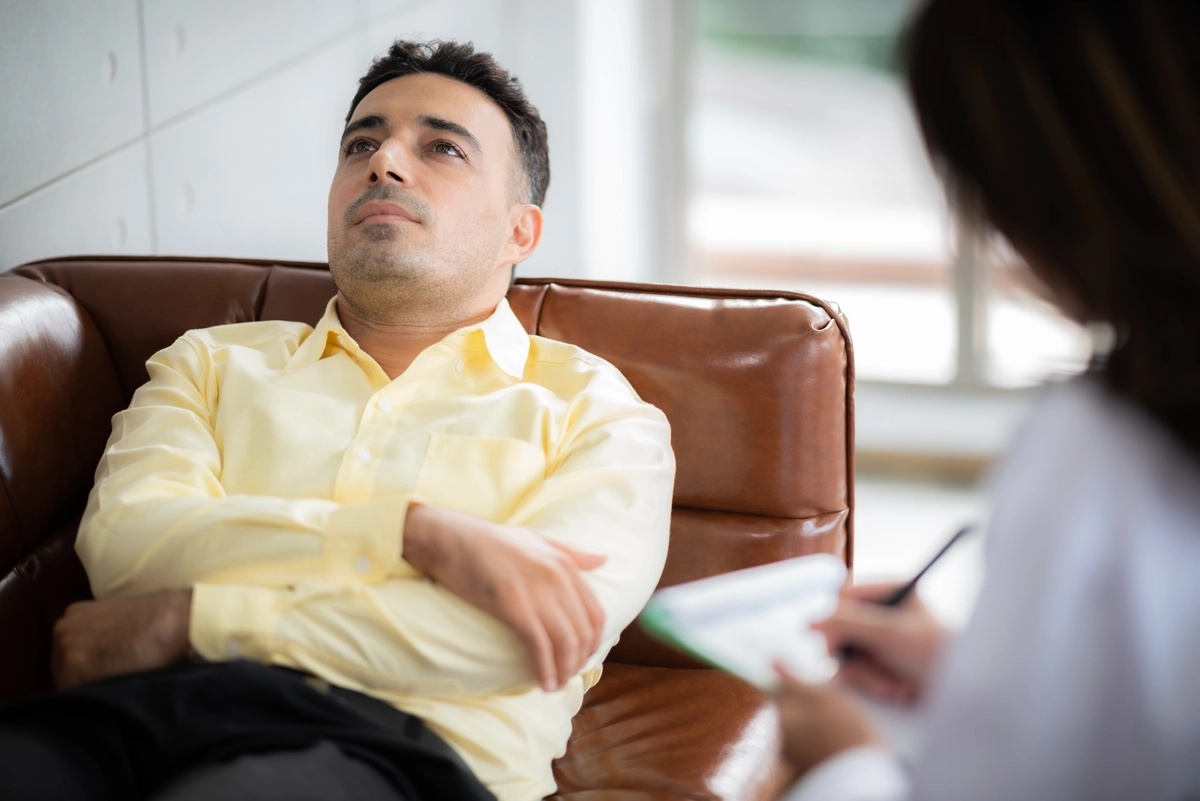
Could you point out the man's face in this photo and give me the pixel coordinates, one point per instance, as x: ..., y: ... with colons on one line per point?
x: 423, y: 203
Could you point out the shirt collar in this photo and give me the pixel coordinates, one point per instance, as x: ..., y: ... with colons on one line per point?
x: 506, y: 340
x: 504, y: 337
x: 314, y: 346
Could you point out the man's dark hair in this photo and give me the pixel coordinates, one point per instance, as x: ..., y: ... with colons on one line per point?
x: 461, y: 62
x: 1071, y: 127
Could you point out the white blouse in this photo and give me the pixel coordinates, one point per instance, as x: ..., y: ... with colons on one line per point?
x: 1078, y: 676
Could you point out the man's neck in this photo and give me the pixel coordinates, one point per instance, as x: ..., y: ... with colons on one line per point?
x: 395, y: 344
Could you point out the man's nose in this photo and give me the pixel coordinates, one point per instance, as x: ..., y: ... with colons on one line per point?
x: 390, y: 163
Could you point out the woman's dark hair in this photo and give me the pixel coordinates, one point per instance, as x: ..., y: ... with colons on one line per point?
x: 462, y: 63
x: 1072, y: 128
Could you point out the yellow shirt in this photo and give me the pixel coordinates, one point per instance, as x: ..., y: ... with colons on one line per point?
x: 269, y: 466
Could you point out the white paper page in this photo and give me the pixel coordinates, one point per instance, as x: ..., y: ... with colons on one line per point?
x: 747, y: 620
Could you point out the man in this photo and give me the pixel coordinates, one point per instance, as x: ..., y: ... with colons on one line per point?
x: 415, y: 503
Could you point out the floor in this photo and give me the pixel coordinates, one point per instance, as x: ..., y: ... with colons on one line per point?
x: 901, y: 523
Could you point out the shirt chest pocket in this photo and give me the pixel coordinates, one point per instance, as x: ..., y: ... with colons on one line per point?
x: 486, y: 477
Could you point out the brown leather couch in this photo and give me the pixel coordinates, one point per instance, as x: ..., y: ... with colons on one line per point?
x: 758, y: 387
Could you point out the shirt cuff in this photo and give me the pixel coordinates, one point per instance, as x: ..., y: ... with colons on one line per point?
x: 364, y: 541
x: 233, y: 622
x: 866, y: 773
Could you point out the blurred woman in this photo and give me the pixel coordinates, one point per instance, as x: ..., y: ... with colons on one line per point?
x: 1071, y: 128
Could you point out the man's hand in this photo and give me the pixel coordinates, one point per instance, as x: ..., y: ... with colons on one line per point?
x: 895, y: 646
x: 528, y: 582
x: 99, y: 639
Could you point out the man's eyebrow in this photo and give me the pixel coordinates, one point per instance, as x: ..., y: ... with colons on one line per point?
x: 439, y: 124
x: 369, y: 121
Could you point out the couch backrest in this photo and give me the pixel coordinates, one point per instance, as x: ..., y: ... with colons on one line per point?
x: 757, y: 386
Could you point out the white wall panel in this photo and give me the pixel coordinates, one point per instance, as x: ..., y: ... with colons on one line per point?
x: 376, y: 8
x: 545, y: 54
x: 101, y: 208
x: 249, y: 175
x: 70, y: 85
x: 478, y: 21
x: 616, y: 139
x: 196, y: 51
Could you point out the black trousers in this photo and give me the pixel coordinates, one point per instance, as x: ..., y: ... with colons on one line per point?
x: 134, y: 737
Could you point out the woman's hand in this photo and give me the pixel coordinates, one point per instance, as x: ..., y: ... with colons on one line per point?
x: 895, y: 646
x: 819, y: 721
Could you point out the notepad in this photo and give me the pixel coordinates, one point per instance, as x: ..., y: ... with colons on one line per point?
x: 747, y: 620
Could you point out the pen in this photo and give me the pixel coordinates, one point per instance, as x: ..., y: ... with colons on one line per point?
x: 902, y: 592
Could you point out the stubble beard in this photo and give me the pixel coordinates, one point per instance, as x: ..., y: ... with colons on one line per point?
x: 386, y: 281
x: 376, y: 275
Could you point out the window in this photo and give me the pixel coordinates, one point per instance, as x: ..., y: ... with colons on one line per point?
x: 806, y: 171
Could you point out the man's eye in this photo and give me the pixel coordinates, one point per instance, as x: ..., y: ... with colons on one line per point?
x: 358, y: 146
x: 448, y: 149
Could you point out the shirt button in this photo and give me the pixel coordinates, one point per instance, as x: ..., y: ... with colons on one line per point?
x: 363, y: 565
x: 232, y: 649
x: 458, y: 368
x: 363, y: 455
x: 385, y: 406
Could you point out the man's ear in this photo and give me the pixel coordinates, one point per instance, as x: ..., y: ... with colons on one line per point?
x: 525, y: 226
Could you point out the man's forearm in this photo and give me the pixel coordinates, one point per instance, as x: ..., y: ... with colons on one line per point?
x: 421, y: 546
x: 529, y: 583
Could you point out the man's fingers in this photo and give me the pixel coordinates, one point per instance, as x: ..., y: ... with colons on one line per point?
x: 593, y: 613
x: 565, y: 640
x: 581, y: 612
x: 556, y: 630
x: 586, y: 560
x: 533, y: 585
x: 540, y: 647
x: 581, y: 602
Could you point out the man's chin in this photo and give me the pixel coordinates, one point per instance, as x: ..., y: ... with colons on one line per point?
x: 381, y: 232
x: 367, y: 263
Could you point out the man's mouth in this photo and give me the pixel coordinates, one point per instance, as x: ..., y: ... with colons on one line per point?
x: 381, y: 212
